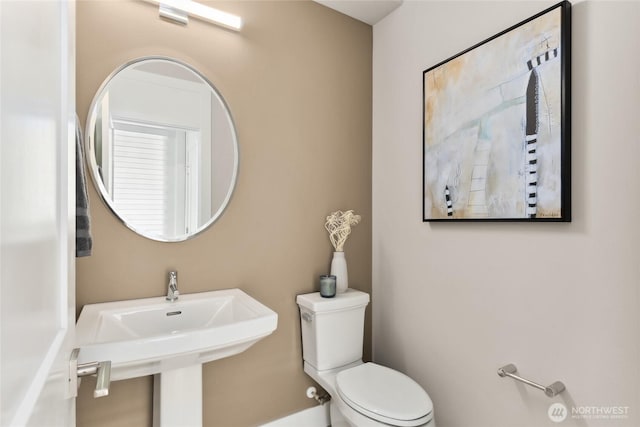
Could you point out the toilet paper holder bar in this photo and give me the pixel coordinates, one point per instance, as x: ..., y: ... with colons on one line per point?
x: 551, y: 390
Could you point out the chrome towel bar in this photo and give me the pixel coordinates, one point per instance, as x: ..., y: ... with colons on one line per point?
x: 551, y: 391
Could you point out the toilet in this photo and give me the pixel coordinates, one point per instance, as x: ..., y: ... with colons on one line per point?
x: 362, y: 394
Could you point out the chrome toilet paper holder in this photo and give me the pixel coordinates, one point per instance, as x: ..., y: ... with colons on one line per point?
x: 550, y: 390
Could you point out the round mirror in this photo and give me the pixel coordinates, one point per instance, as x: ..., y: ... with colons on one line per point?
x: 162, y: 148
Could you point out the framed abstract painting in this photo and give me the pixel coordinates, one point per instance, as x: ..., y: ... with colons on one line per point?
x: 496, y: 126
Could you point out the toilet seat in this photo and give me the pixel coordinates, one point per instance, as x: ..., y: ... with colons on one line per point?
x: 384, y: 395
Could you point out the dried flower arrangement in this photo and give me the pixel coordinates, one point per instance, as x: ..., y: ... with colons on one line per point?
x: 339, y: 225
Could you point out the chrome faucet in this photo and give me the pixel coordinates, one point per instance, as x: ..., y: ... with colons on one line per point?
x: 172, y: 291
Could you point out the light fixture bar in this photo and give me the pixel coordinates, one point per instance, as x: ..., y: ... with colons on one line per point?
x: 176, y: 15
x: 180, y: 10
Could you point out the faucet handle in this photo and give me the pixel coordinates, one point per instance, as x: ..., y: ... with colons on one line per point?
x: 172, y: 291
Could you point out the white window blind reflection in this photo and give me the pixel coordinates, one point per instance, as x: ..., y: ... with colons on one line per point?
x: 149, y: 177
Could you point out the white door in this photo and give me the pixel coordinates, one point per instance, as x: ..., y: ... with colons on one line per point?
x: 37, y: 211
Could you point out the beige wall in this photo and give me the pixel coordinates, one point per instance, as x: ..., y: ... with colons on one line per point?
x: 298, y: 82
x: 455, y: 301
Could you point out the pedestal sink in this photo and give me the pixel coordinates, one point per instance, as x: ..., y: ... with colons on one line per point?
x: 172, y: 340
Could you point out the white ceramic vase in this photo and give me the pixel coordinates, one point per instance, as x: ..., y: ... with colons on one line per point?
x: 339, y: 269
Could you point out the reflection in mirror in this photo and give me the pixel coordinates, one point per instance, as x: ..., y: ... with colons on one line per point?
x: 162, y: 148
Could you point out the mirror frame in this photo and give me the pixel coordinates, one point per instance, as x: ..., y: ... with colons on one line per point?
x: 90, y: 156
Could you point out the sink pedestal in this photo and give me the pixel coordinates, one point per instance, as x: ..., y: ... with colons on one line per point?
x: 177, y: 397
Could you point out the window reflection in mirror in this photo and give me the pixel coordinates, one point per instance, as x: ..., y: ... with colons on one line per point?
x: 162, y: 149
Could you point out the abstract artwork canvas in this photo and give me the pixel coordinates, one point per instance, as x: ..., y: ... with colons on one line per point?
x: 496, y: 117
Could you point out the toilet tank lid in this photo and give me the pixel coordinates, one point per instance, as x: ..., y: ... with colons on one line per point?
x: 345, y: 300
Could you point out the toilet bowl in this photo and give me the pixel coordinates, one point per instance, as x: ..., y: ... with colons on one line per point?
x: 362, y: 394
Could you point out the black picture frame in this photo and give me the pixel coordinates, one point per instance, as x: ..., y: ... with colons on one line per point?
x: 497, y: 126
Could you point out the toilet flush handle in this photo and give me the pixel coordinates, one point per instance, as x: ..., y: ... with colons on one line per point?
x: 306, y: 316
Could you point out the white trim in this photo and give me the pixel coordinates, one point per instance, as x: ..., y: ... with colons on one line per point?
x: 317, y: 416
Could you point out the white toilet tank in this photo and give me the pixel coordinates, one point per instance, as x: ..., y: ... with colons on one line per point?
x: 332, y: 328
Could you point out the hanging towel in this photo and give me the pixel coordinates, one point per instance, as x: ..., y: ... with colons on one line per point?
x: 84, y: 242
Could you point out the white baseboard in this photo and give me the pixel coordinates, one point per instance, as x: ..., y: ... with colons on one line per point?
x: 317, y: 416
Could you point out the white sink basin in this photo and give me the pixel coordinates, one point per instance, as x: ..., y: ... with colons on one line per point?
x: 151, y: 335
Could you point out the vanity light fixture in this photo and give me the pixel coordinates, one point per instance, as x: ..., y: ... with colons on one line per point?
x: 180, y: 10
